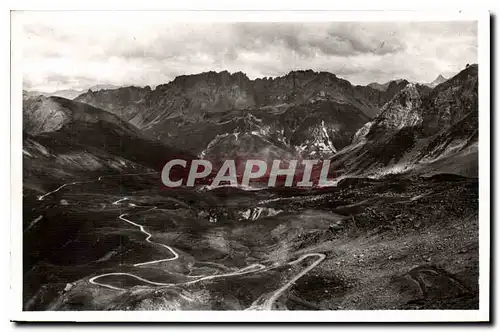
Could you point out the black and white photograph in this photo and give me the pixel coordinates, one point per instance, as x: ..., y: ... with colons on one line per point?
x: 296, y: 163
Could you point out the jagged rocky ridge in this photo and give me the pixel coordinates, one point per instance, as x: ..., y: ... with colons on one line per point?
x: 194, y: 95
x: 303, y: 113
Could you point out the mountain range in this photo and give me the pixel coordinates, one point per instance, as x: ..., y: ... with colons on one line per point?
x: 69, y: 93
x: 398, y: 230
x: 303, y: 114
x: 383, y: 87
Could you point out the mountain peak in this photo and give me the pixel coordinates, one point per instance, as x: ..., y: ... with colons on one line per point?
x: 440, y: 79
x: 403, y: 110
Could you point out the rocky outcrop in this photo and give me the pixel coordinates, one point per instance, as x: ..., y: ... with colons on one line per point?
x: 402, y: 111
x: 449, y: 102
x: 191, y: 97
x: 417, y: 127
x: 316, y: 130
x: 42, y: 114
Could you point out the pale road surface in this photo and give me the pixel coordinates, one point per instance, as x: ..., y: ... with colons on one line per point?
x: 268, y: 300
x: 40, y: 198
x: 120, y: 200
x: 148, y: 239
x: 268, y: 303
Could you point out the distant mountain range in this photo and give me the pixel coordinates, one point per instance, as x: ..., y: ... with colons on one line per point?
x: 383, y: 87
x: 69, y: 93
x: 304, y: 114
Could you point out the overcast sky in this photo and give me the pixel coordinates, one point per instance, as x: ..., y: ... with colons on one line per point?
x: 85, y: 50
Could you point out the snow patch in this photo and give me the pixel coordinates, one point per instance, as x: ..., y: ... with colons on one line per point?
x: 213, y: 142
x: 256, y: 213
x: 330, y: 144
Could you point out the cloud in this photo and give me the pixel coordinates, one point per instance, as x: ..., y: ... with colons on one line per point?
x: 309, y: 39
x: 67, y: 51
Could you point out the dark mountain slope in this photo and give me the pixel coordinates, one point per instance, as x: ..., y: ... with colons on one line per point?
x: 314, y: 129
x: 65, y: 140
x: 450, y: 101
x: 419, y: 128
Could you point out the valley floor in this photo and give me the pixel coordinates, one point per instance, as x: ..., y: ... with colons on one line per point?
x: 390, y: 243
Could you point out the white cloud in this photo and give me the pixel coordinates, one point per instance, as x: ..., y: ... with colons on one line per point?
x: 75, y: 51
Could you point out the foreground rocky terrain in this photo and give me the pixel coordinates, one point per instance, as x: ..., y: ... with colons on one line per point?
x: 399, y: 230
x: 380, y: 244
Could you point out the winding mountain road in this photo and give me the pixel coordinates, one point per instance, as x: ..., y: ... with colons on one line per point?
x: 40, y: 198
x: 148, y: 239
x: 265, y: 302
